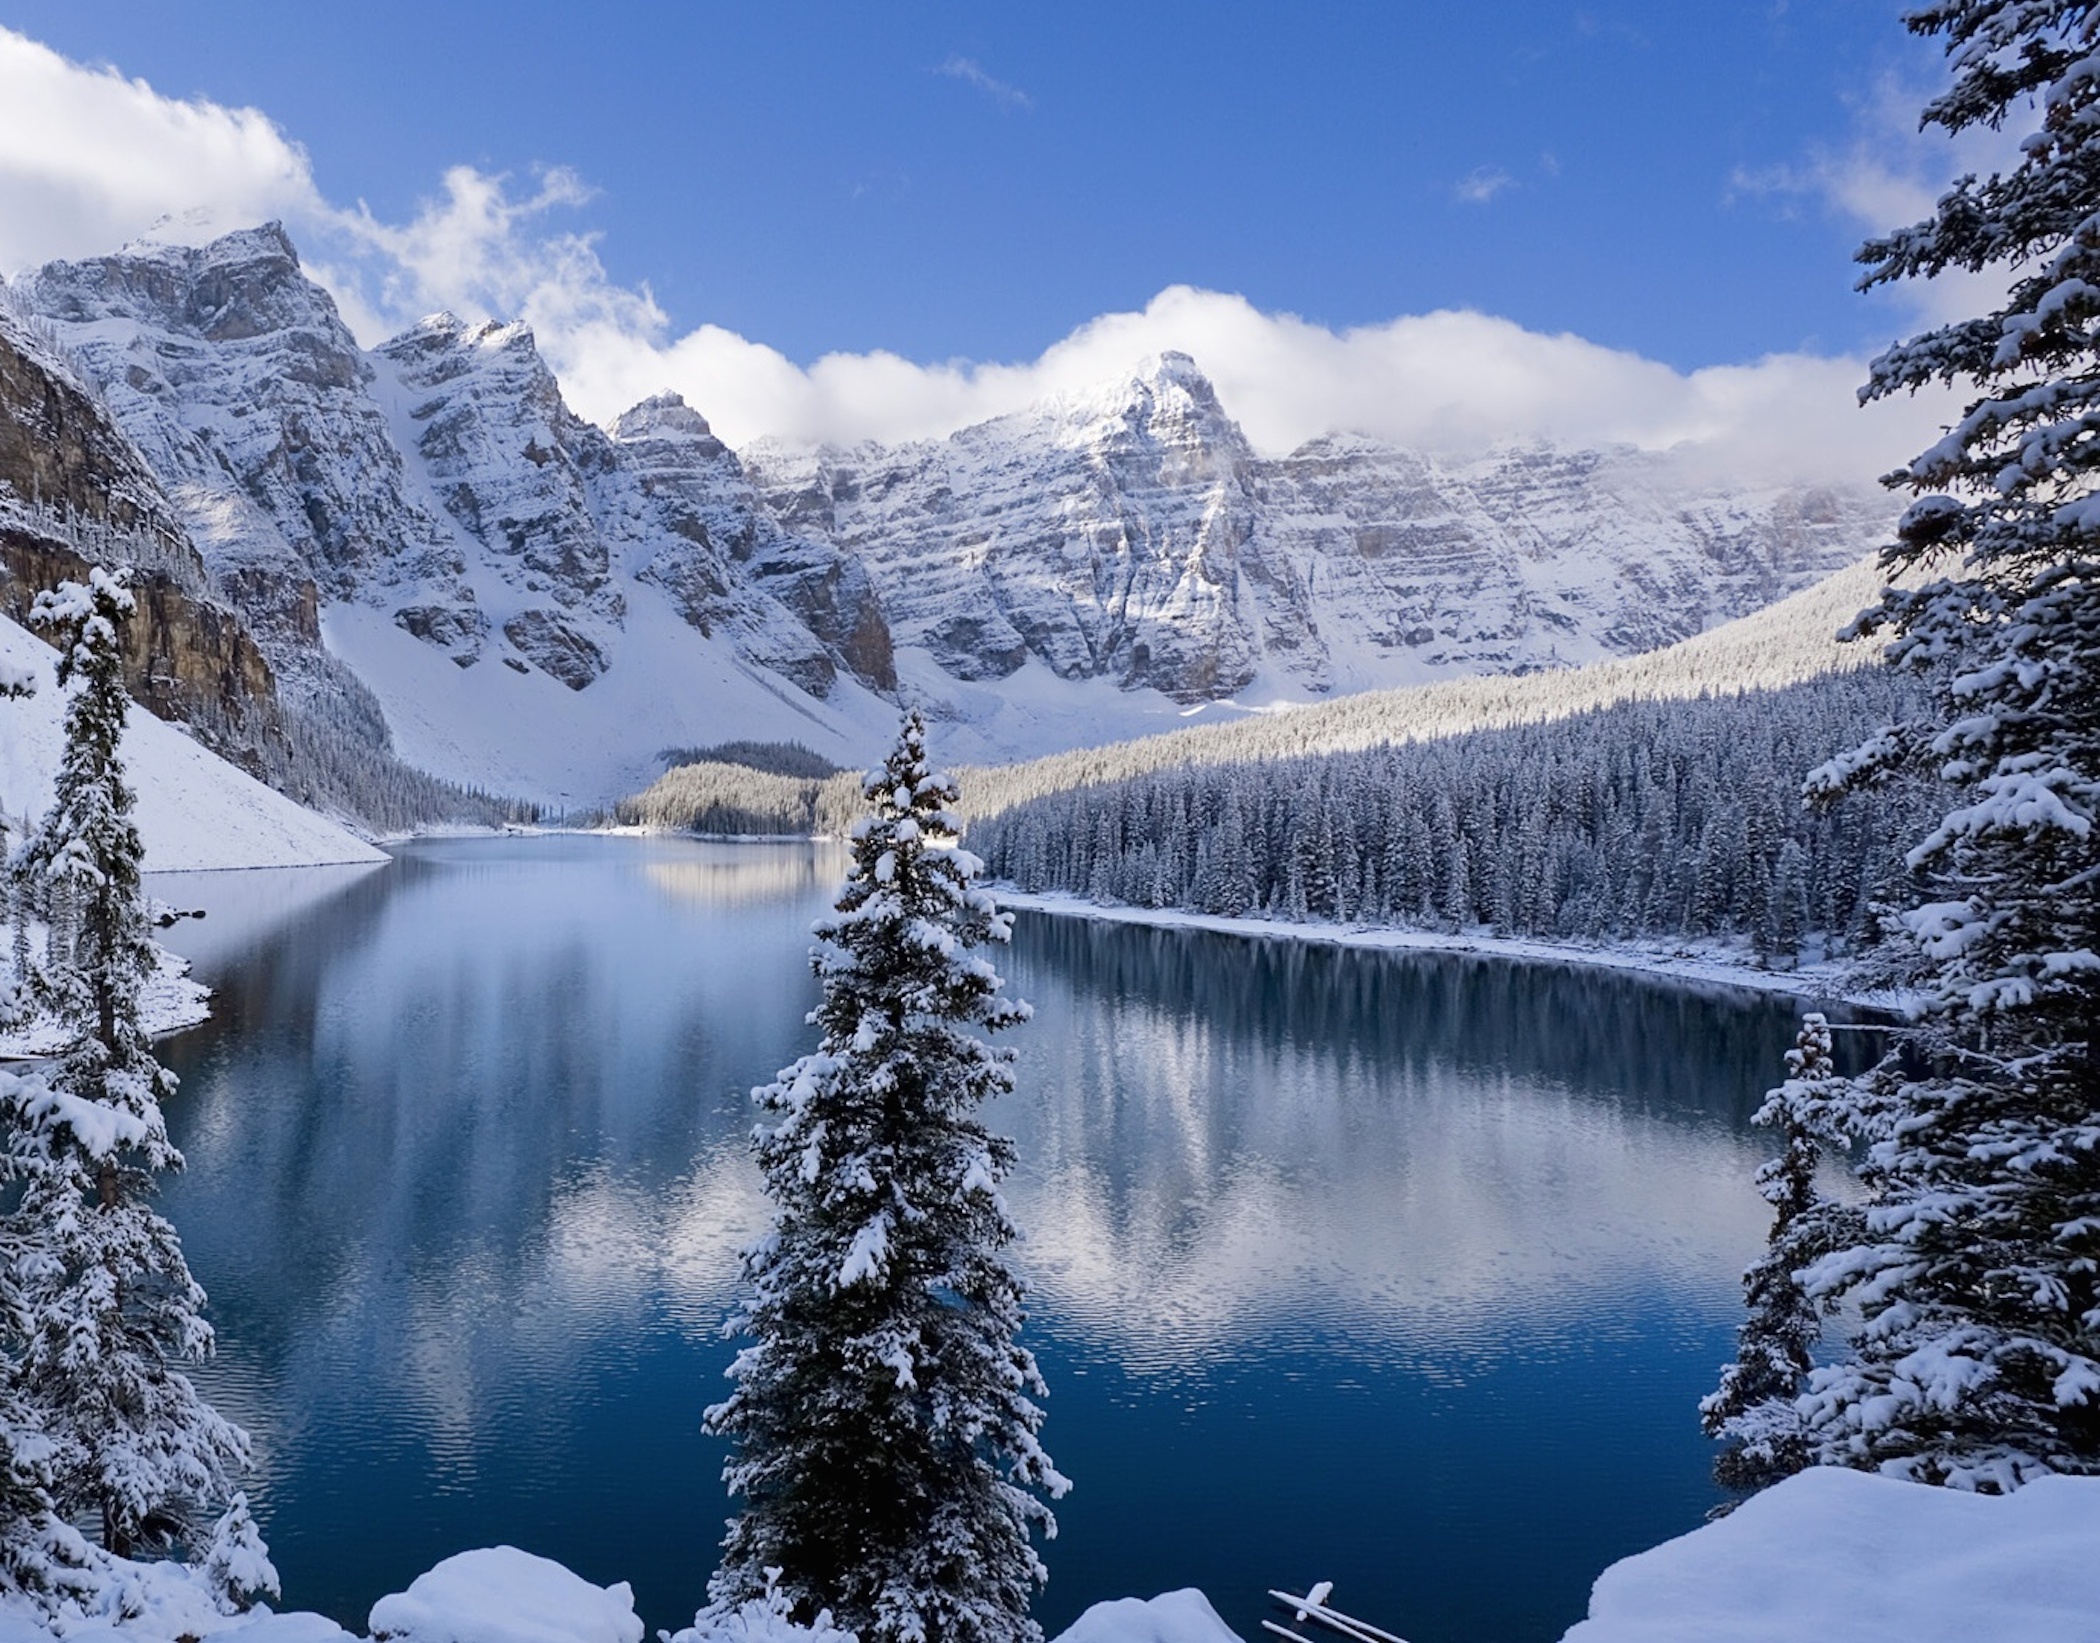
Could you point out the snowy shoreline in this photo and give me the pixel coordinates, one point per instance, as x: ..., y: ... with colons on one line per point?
x: 169, y: 1001
x: 1710, y: 966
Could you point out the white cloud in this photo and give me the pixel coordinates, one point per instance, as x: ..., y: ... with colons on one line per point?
x: 1452, y: 380
x: 110, y: 155
x: 1890, y: 174
x: 1482, y: 184
x: 89, y: 159
x: 971, y: 72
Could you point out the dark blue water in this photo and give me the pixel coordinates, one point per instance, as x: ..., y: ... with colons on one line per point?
x: 1400, y: 1271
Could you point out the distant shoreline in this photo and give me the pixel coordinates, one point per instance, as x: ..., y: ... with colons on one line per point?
x: 1708, y: 967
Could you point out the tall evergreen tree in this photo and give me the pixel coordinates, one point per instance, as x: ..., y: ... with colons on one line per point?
x: 1978, y: 1363
x: 16, y: 684
x: 885, y: 1428
x: 110, y: 1306
x: 40, y: 1554
x: 1753, y: 1409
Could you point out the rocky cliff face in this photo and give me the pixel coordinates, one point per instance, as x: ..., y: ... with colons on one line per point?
x: 1133, y: 535
x: 1534, y: 557
x: 74, y: 492
x: 250, y: 399
x: 440, y: 478
x: 729, y: 563
x: 1105, y: 534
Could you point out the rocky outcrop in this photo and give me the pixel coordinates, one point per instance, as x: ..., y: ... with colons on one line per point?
x: 187, y: 660
x: 237, y: 378
x: 440, y: 478
x: 75, y: 493
x: 238, y: 381
x: 730, y: 564
x: 1104, y: 534
x: 1535, y: 557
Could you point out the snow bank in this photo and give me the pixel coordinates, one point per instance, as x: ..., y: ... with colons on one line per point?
x: 1832, y: 1554
x: 168, y: 1002
x: 195, y: 810
x: 1172, y: 1617
x: 158, y: 1602
x: 1835, y: 1553
x: 503, y: 1595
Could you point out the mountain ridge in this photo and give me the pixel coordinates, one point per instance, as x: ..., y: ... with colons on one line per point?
x: 1087, y: 569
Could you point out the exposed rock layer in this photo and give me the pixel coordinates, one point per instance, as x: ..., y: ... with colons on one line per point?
x: 74, y: 493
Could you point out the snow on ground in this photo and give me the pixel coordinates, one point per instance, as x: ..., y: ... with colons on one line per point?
x: 1830, y: 1556
x: 168, y: 1002
x: 1708, y: 964
x: 503, y: 1595
x: 1172, y: 1617
x: 529, y: 735
x: 1837, y: 1554
x: 195, y: 810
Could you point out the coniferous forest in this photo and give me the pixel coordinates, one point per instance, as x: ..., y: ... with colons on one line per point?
x: 1647, y: 819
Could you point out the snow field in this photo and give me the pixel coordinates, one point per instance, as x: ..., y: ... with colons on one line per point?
x: 1829, y: 1556
x: 195, y: 810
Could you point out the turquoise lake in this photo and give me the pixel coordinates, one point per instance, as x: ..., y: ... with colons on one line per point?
x: 1403, y: 1271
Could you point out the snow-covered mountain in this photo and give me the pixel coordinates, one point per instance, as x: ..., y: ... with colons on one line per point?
x: 432, y: 514
x: 539, y: 605
x: 1132, y: 534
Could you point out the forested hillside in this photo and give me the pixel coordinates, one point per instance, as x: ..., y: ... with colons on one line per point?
x: 1645, y: 819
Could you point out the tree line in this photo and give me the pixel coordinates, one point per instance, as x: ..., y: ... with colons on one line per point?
x: 1671, y: 819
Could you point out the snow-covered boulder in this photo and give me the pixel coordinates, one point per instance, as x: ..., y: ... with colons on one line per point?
x: 1837, y: 1554
x: 1172, y: 1617
x: 503, y: 1595
x: 297, y: 1627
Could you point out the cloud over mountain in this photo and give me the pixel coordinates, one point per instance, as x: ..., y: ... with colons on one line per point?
x: 98, y: 159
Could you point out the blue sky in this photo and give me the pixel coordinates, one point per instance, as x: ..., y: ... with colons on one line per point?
x: 1682, y: 182
x: 809, y: 175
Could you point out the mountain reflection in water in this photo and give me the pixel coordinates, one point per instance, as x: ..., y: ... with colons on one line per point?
x: 1394, y: 1269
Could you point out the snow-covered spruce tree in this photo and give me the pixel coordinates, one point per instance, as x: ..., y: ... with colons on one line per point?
x: 1978, y: 1273
x: 1753, y: 1411
x: 16, y: 684
x: 886, y: 1437
x: 110, y: 1303
x: 40, y: 1554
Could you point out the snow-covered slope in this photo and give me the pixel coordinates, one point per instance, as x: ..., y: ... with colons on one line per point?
x: 194, y: 809
x: 1837, y: 1554
x: 540, y: 605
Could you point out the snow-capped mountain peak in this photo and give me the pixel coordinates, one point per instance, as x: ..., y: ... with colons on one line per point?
x: 492, y: 565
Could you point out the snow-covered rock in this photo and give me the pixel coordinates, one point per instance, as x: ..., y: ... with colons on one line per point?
x: 727, y: 562
x: 1132, y: 533
x: 1172, y: 1617
x: 236, y: 377
x: 1836, y: 1554
x: 194, y: 809
x: 1104, y: 533
x: 435, y: 500
x: 502, y: 1595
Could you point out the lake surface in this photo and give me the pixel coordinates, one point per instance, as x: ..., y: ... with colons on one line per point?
x: 1397, y: 1270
